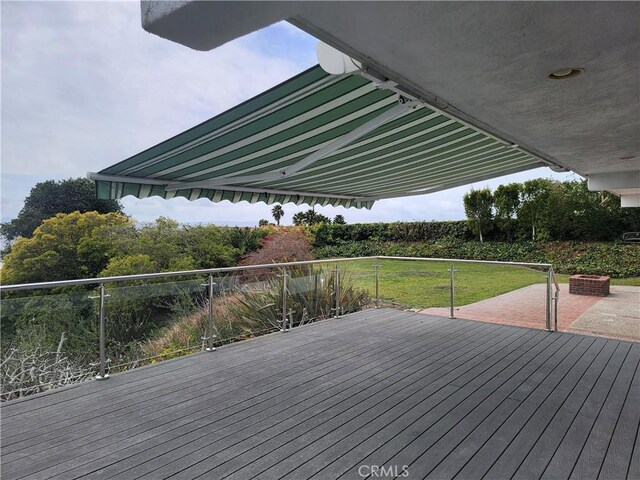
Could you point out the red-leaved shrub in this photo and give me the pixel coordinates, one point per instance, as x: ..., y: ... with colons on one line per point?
x: 282, y: 246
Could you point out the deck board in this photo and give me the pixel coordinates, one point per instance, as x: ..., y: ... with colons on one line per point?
x: 447, y: 398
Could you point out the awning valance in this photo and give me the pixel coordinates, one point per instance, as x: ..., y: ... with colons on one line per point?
x: 317, y: 139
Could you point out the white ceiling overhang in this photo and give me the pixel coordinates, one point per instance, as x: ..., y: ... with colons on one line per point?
x: 485, y: 63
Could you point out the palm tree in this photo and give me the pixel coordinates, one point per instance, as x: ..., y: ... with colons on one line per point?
x: 277, y: 213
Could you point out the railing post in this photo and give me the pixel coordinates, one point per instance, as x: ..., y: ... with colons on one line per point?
x: 103, y: 360
x: 548, y: 302
x: 377, y: 282
x: 211, y: 335
x: 284, y: 301
x: 337, y: 315
x: 452, y: 313
x: 556, y: 298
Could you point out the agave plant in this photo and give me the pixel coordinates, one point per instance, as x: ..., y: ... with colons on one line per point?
x: 311, y: 295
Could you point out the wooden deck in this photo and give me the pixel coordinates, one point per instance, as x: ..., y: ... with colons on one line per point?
x: 336, y: 399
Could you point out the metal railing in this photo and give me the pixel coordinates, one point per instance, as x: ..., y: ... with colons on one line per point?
x: 555, y: 299
x: 285, y: 322
x: 551, y: 317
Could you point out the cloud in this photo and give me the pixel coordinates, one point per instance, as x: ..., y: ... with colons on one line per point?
x: 84, y: 86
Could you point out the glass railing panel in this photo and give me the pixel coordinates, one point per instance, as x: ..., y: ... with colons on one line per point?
x: 150, y: 320
x: 414, y: 285
x: 252, y: 306
x: 311, y: 295
x: 358, y: 285
x: 49, y: 339
x: 512, y: 295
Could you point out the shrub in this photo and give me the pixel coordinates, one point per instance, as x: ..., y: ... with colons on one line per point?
x: 335, y: 234
x: 281, y: 246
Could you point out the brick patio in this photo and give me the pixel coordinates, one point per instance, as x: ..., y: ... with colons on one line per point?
x: 524, y: 307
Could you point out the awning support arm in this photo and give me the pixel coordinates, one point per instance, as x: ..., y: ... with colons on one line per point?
x: 362, y: 130
x: 124, y: 179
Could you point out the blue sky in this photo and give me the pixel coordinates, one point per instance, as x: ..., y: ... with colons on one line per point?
x: 84, y: 86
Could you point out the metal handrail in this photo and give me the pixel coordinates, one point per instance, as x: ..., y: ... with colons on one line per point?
x: 555, y: 280
x: 147, y: 276
x: 462, y: 260
x: 208, y: 271
x: 556, y: 299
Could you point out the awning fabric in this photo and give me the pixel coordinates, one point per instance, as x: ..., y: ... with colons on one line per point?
x: 317, y: 139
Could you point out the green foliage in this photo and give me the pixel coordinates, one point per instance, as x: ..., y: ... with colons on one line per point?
x: 535, y: 207
x: 427, y: 231
x: 38, y: 320
x: 49, y: 198
x: 215, y: 247
x: 243, y: 239
x: 578, y: 214
x: 339, y: 220
x: 79, y: 245
x: 64, y: 247
x: 478, y: 206
x: 543, y: 209
x: 263, y: 222
x: 506, y: 201
x: 335, y: 234
x: 129, y: 265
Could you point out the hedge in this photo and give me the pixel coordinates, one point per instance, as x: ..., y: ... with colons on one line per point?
x: 612, y: 259
x: 334, y: 234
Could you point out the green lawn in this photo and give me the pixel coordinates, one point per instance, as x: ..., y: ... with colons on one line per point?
x: 631, y: 281
x: 426, y: 284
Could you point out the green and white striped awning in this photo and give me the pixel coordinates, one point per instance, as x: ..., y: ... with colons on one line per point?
x: 317, y: 139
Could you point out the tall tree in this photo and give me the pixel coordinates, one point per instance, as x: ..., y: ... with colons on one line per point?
x: 64, y: 247
x: 49, y: 198
x: 506, y: 200
x: 339, y: 220
x: 277, y: 213
x: 575, y: 213
x: 478, y: 205
x: 535, y: 204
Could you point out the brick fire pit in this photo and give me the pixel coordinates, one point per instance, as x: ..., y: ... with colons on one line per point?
x: 593, y: 285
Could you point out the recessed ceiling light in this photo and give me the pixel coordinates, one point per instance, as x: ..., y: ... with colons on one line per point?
x: 563, y: 73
